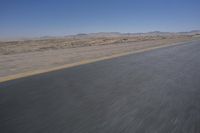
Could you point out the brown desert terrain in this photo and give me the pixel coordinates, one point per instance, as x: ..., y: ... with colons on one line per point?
x: 34, y: 55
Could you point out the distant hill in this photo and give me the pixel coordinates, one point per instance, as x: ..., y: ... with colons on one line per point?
x: 153, y: 33
x: 110, y: 34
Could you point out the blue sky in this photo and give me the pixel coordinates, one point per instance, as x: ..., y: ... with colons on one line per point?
x: 33, y: 18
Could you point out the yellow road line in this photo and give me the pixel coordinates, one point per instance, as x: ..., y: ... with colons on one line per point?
x: 35, y: 72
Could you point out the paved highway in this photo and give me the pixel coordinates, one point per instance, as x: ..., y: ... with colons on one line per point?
x: 151, y: 92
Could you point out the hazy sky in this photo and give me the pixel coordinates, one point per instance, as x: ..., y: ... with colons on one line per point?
x: 31, y: 18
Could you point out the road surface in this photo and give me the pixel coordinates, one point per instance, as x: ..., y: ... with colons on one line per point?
x: 151, y: 92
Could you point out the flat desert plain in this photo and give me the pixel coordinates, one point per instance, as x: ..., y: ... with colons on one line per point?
x: 44, y: 54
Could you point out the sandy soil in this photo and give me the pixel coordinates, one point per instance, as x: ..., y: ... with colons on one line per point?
x: 15, y: 47
x: 17, y: 58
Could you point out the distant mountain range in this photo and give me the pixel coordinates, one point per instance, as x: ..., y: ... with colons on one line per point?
x: 113, y: 34
x: 116, y: 34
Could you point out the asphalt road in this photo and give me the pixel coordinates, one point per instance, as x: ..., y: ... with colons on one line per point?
x: 152, y: 92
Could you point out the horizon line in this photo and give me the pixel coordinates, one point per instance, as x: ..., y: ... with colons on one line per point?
x: 5, y: 39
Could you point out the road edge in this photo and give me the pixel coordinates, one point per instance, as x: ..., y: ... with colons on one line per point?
x: 36, y: 72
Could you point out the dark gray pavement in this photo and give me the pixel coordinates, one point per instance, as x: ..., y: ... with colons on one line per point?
x: 152, y: 92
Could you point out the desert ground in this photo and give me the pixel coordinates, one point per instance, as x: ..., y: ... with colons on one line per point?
x: 40, y: 54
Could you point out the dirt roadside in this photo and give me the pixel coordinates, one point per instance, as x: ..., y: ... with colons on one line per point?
x: 13, y: 64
